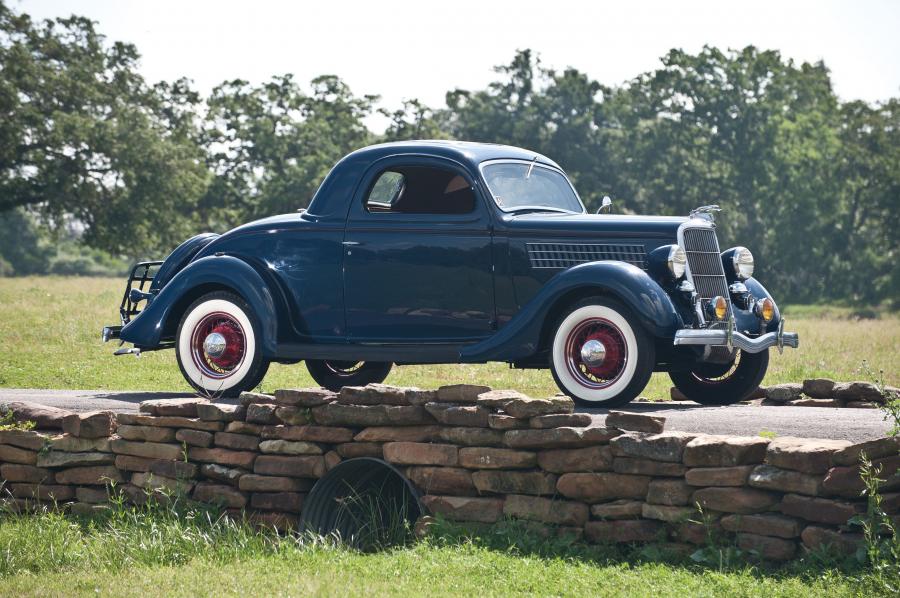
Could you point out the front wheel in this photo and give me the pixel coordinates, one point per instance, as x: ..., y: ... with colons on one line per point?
x: 601, y: 356
x: 723, y: 384
x: 218, y: 346
x: 335, y: 375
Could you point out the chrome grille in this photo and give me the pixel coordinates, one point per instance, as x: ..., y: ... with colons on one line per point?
x: 566, y: 255
x: 705, y: 264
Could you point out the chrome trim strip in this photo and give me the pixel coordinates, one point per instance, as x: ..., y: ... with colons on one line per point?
x: 739, y: 341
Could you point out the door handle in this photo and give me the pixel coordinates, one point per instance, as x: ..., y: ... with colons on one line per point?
x: 350, y: 243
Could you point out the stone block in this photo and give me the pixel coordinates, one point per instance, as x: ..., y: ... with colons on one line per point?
x: 471, y: 436
x: 809, y: 455
x: 220, y: 494
x: 458, y: 415
x: 820, y: 510
x: 335, y: 414
x: 667, y: 513
x: 635, y: 422
x: 766, y: 524
x: 624, y: 531
x: 496, y: 458
x: 667, y: 446
x: 600, y: 487
x: 353, y: 450
x: 461, y: 393
x: 453, y: 481
x: 294, y: 416
x: 559, y: 437
x: 289, y: 447
x: 25, y: 439
x: 624, y: 508
x: 277, y: 501
x: 561, y: 420
x: 735, y: 500
x: 220, y: 456
x: 533, y: 407
x: 784, y: 393
x: 718, y: 476
x: 238, y: 442
x: 195, y: 438
x: 673, y: 492
x: 501, y: 421
x: 818, y: 388
x: 263, y: 483
x: 847, y: 482
x: 146, y: 433
x: 262, y: 413
x: 545, y: 510
x: 325, y: 434
x: 465, y: 508
x: 767, y: 547
x: 307, y: 466
x: 399, y: 434
x: 514, y: 482
x: 14, y: 454
x: 497, y: 399
x: 634, y: 466
x: 373, y: 394
x: 589, y: 459
x: 725, y: 451
x: 304, y: 397
x: 420, y: 453
x: 169, y: 422
x: 29, y: 474
x: 857, y: 391
x: 220, y: 412
x: 57, y: 459
x: 92, y: 475
x: 172, y: 407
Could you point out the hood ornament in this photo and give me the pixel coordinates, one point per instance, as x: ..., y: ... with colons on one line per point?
x: 706, y: 213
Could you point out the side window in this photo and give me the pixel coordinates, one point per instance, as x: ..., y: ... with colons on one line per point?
x: 421, y: 190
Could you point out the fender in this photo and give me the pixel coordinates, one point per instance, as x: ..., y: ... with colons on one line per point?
x: 745, y: 320
x: 520, y: 337
x: 145, y: 331
x: 179, y: 258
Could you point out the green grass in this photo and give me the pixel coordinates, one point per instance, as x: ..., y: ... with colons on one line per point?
x: 191, y: 552
x: 50, y: 327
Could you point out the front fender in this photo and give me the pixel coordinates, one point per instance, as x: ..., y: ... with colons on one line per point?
x: 521, y: 337
x: 146, y: 329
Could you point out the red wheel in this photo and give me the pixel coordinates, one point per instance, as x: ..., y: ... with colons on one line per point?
x: 218, y: 346
x: 596, y: 353
x: 600, y: 355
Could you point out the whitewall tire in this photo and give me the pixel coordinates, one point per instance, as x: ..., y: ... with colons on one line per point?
x: 600, y: 355
x: 218, y: 345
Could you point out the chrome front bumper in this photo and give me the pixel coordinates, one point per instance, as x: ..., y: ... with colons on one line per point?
x: 731, y: 338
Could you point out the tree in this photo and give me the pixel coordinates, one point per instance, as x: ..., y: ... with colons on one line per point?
x: 83, y: 139
x: 270, y: 146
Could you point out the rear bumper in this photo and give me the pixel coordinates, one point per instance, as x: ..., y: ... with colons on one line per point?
x: 737, y: 340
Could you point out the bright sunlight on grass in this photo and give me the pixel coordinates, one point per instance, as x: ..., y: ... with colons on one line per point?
x: 50, y: 338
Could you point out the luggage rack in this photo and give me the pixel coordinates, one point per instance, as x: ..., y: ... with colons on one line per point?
x: 137, y: 289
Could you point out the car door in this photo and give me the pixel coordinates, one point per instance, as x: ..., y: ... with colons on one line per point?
x: 417, y: 255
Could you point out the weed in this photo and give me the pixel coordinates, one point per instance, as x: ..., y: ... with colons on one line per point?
x: 890, y: 406
x: 882, y: 544
x: 8, y: 421
x: 768, y: 434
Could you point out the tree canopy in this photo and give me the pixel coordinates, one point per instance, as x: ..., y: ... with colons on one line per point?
x: 809, y: 183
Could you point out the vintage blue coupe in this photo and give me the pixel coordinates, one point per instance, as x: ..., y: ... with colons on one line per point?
x: 451, y: 252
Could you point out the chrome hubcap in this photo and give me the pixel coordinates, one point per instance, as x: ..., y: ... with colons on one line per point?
x: 214, y: 345
x: 593, y: 353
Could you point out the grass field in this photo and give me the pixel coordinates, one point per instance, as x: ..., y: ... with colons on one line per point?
x: 50, y: 328
x: 160, y: 553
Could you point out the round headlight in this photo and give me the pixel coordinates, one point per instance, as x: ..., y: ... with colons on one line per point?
x: 676, y: 261
x: 743, y: 263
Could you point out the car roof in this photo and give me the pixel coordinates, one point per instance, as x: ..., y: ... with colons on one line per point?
x: 468, y: 152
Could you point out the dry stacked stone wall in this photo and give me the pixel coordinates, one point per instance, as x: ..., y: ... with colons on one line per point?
x: 476, y: 454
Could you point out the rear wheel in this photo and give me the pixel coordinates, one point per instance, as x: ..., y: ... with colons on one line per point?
x: 601, y: 356
x: 218, y: 345
x: 335, y: 374
x: 723, y: 384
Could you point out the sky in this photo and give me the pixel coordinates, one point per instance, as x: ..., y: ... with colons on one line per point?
x: 401, y: 49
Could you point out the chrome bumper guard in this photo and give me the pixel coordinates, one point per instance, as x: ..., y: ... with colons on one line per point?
x: 730, y: 338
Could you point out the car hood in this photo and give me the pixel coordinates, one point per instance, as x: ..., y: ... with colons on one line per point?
x: 598, y: 225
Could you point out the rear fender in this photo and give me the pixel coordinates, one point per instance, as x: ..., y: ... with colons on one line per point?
x: 208, y: 273
x: 521, y: 337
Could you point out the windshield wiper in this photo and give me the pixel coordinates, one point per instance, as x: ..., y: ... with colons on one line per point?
x: 539, y: 209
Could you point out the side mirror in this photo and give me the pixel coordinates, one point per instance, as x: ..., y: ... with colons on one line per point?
x: 605, y: 205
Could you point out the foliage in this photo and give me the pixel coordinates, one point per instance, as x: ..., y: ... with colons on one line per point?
x: 891, y: 405
x: 882, y: 542
x: 87, y: 144
x: 8, y: 421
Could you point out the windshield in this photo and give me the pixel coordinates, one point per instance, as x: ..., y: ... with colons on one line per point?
x: 520, y: 186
